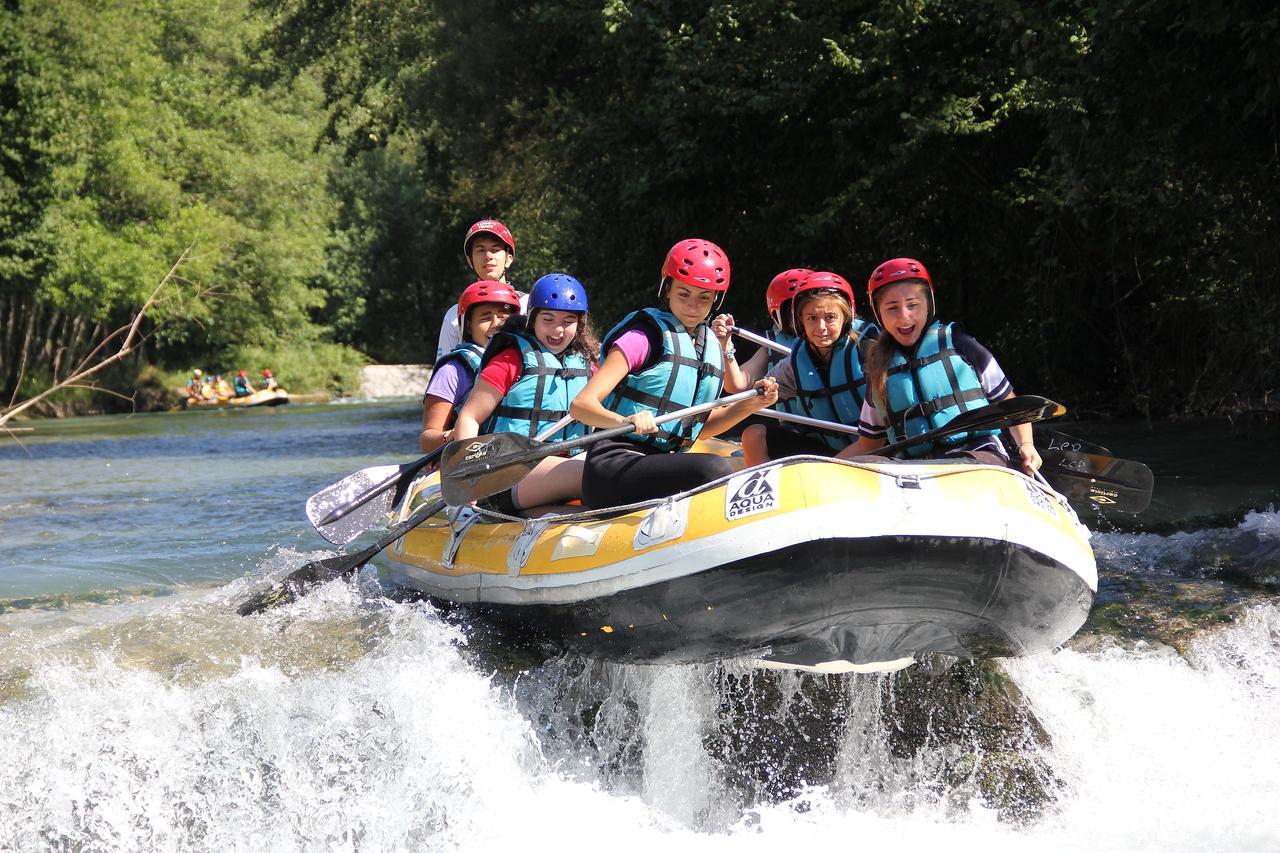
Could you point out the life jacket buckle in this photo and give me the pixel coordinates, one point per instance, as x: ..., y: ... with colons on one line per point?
x: 907, y: 481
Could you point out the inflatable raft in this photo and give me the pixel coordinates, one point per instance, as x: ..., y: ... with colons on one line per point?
x: 263, y: 397
x: 806, y: 563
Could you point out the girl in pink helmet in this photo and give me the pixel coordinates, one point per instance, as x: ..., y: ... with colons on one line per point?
x: 922, y: 372
x: 660, y: 360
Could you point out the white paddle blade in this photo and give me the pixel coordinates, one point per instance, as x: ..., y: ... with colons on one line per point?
x: 343, y: 530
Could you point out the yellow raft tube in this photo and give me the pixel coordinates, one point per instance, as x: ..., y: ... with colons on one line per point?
x: 805, y: 562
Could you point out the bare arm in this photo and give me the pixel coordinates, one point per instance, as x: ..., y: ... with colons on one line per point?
x: 588, y: 407
x: 435, y: 416
x: 723, y: 418
x: 1022, y: 437
x: 861, y: 447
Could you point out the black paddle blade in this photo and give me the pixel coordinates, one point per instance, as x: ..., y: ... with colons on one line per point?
x: 1102, y: 481
x: 487, y: 464
x: 302, y: 579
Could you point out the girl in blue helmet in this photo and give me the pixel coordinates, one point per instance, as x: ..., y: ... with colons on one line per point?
x: 531, y: 370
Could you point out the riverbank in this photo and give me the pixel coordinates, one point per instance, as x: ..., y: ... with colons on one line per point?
x: 156, y: 391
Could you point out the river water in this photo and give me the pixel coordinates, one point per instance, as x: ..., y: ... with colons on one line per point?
x: 137, y: 711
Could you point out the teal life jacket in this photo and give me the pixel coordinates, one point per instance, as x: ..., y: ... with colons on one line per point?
x: 542, y: 394
x: 467, y: 355
x: 832, y: 392
x: 775, y: 358
x: 928, y: 389
x: 688, y: 373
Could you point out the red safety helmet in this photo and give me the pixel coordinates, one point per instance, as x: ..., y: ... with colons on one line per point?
x: 266, y: 373
x: 898, y: 269
x: 242, y: 373
x: 783, y: 287
x: 487, y: 291
x: 492, y: 227
x: 823, y: 281
x: 700, y: 263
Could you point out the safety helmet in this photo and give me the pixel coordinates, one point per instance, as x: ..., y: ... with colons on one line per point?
x: 197, y: 373
x: 700, y: 263
x: 898, y: 269
x: 823, y: 281
x: 894, y: 271
x: 487, y: 291
x: 493, y: 228
x: 558, y: 291
x: 241, y: 373
x: 783, y: 287
x: 266, y: 373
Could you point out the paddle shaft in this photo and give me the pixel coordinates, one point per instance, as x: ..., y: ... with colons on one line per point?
x: 537, y: 453
x: 411, y: 470
x: 761, y: 340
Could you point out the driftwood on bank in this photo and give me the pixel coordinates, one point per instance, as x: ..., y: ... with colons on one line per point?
x: 129, y: 338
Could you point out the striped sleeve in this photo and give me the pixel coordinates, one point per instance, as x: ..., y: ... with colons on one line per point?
x: 995, y: 385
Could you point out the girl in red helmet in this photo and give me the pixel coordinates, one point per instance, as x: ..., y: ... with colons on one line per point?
x: 777, y: 300
x: 489, y: 250
x: 659, y: 360
x: 922, y: 372
x: 822, y: 378
x: 483, y: 307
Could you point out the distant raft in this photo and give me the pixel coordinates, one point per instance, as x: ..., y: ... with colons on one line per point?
x: 805, y: 563
x: 277, y: 397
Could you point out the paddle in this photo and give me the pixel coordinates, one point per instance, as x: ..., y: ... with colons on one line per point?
x: 1011, y: 411
x: 483, y: 466
x: 748, y: 335
x: 1103, y: 481
x: 321, y: 571
x: 337, y: 503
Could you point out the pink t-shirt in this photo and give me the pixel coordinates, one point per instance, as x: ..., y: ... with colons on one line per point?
x: 634, y: 346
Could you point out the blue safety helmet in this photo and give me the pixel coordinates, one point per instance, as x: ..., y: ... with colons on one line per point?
x: 558, y: 292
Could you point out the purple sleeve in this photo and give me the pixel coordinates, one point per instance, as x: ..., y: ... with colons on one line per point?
x: 450, y: 382
x: 634, y: 346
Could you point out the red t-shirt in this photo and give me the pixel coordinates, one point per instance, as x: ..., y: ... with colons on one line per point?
x: 505, y: 368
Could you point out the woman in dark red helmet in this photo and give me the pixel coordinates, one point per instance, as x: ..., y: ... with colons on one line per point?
x: 660, y: 360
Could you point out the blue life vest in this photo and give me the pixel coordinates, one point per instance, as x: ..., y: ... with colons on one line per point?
x: 542, y: 394
x: 680, y: 378
x: 775, y: 358
x: 930, y: 388
x: 832, y: 392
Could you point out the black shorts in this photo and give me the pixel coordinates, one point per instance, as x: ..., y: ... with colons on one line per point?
x: 620, y: 472
x: 781, y: 441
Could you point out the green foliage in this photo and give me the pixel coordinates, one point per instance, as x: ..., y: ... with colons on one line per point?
x: 147, y: 128
x: 302, y: 368
x: 1094, y: 185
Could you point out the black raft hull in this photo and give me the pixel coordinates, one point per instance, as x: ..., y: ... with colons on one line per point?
x: 865, y: 600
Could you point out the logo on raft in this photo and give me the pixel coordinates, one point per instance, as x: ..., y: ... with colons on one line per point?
x: 755, y: 493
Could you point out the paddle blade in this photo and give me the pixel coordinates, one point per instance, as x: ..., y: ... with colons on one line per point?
x: 323, y: 505
x: 298, y: 581
x: 487, y: 464
x: 1102, y: 481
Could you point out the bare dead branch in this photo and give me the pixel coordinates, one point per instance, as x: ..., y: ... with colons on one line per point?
x: 130, y: 336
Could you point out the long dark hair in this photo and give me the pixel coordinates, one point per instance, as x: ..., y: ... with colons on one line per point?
x: 585, y: 341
